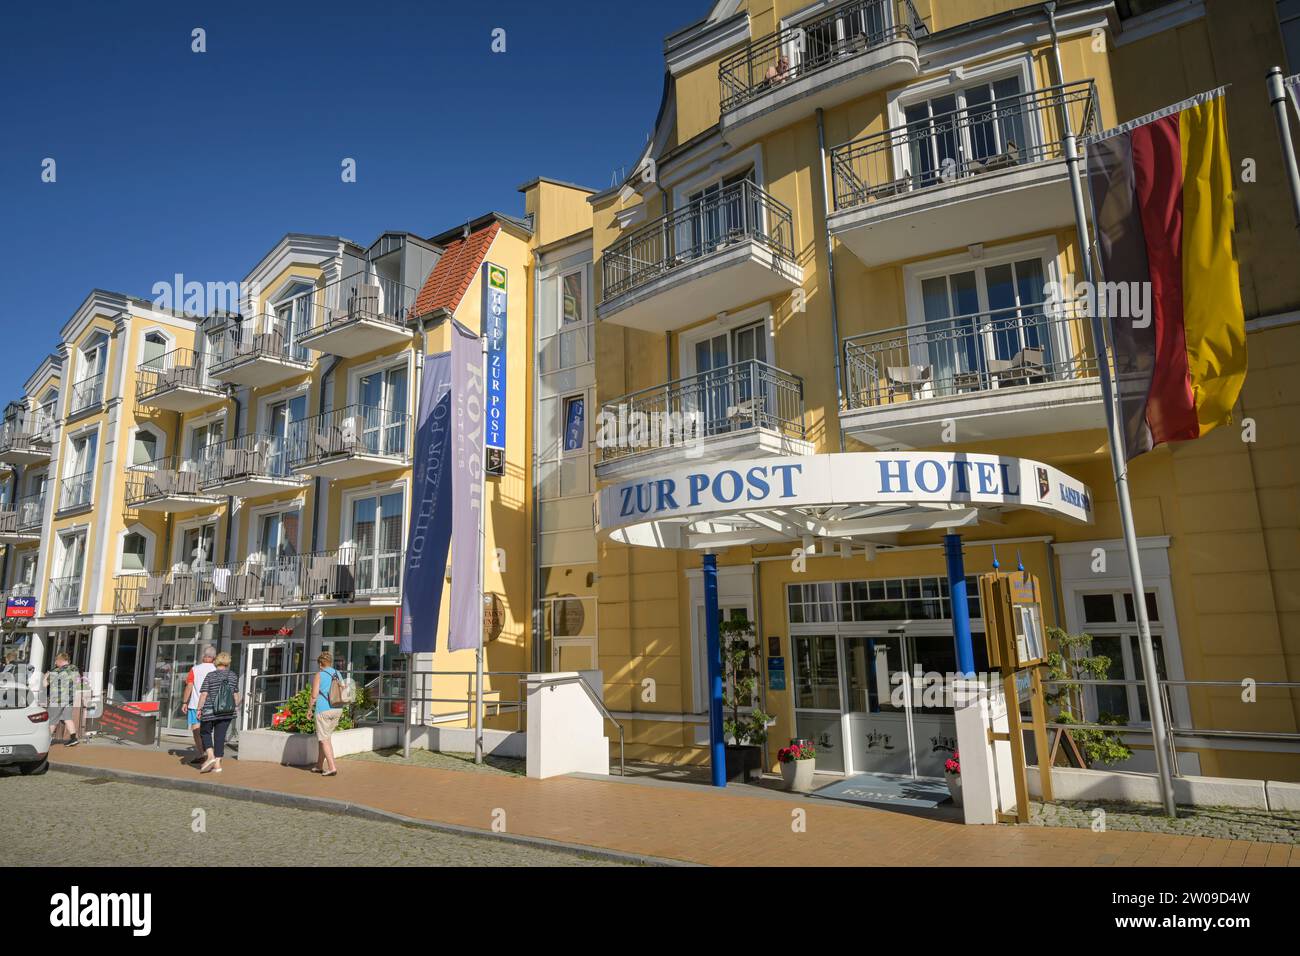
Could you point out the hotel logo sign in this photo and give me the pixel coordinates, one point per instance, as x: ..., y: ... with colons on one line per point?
x: 494, y: 329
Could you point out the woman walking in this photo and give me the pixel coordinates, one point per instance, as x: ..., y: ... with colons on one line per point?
x: 327, y: 714
x: 218, y: 704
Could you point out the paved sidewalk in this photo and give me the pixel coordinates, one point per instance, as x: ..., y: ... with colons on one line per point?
x: 690, y: 824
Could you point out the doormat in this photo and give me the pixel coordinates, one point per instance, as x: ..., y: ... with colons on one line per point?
x: 890, y: 789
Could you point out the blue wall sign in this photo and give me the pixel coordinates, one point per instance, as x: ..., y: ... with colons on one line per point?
x: 494, y: 327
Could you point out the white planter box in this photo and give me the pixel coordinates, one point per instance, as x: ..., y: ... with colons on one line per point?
x: 1070, y: 783
x: 300, y: 750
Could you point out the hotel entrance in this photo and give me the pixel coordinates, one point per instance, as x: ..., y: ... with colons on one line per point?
x: 870, y: 685
x: 270, y: 659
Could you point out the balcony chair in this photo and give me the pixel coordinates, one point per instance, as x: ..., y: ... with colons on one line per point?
x: 8, y: 522
x: 150, y: 596
x: 268, y: 343
x: 365, y: 303
x: 1023, y: 368
x: 1003, y: 160
x: 159, y: 483
x: 185, y: 481
x: 321, y: 573
x: 907, y: 380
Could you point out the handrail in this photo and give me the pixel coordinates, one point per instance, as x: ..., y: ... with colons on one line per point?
x: 74, y: 490
x: 259, y: 336
x: 252, y: 455
x: 86, y: 393
x: 179, y: 368
x: 168, y: 476
x: 351, y: 430
x: 357, y: 297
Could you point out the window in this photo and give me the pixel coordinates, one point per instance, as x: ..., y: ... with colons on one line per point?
x: 135, y: 549
x: 1288, y: 16
x: 291, y: 317
x: 282, y: 417
x: 197, y: 548
x: 203, y: 437
x: 89, y: 388
x: 718, y: 213
x: 575, y: 423
x: 377, y: 541
x: 382, y: 395
x: 145, y: 448
x: 364, y: 649
x: 278, y: 535
x: 155, y: 347
x: 1109, y: 617
x: 563, y: 320
x: 955, y: 134
x: 65, y: 586
x: 79, y: 472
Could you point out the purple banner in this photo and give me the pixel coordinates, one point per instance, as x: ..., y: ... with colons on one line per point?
x: 467, y: 384
x: 429, y: 534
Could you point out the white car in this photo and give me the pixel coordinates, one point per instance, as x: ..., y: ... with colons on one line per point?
x: 24, y: 727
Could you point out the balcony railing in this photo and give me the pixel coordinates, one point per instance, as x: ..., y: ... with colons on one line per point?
x: 997, y: 134
x: 244, y: 457
x: 179, y: 368
x: 723, y: 401
x: 342, y: 575
x: 359, y: 297
x: 65, y: 593
x: 172, y: 476
x: 87, y: 393
x: 28, y: 430
x: 348, y: 431
x: 75, y: 490
x: 969, y: 354
x: 734, y: 213
x: 844, y: 31
x: 24, y: 515
x: 257, y: 337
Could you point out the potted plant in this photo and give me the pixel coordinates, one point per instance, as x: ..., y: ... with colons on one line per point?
x: 746, y: 724
x: 798, y: 761
x: 952, y: 773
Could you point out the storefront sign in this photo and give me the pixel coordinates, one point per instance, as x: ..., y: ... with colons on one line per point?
x: 126, y: 723
x: 641, y: 511
x: 494, y: 328
x: 267, y: 629
x: 22, y: 607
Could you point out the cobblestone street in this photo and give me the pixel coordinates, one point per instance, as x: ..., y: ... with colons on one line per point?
x: 1230, y: 823
x: 65, y: 820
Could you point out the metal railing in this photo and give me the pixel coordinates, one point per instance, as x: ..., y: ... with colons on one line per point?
x: 1000, y: 133
x: 86, y: 393
x: 23, y: 515
x: 359, y: 297
x: 1002, y: 348
x: 65, y: 593
x: 256, y: 337
x: 75, y: 490
x: 832, y: 37
x: 734, y: 213
x: 247, y: 456
x: 748, y: 394
x: 28, y: 430
x: 179, y: 368
x: 172, y: 476
x: 350, y: 430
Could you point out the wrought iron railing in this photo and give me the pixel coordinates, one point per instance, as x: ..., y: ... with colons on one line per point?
x: 65, y: 593
x: 1000, y: 133
x: 834, y: 36
x: 256, y: 337
x: 172, y: 476
x: 247, y: 456
x: 359, y: 297
x: 1003, y: 348
x: 351, y: 430
x: 30, y: 430
x: 75, y: 490
x: 732, y: 214
x: 290, y: 580
x: 685, y: 412
x: 86, y: 393
x: 24, y: 514
x: 179, y: 368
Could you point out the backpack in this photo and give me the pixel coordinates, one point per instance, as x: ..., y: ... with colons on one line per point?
x: 343, y: 690
x: 223, y: 700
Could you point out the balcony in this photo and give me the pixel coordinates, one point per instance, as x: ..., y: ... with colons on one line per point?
x: 169, y: 484
x: 975, y: 175
x: 248, y: 466
x: 728, y: 249
x: 75, y: 491
x: 350, y: 442
x: 258, y: 352
x: 359, y: 314
x: 87, y: 395
x: 745, y: 410
x: 1029, y: 370
x: 347, y: 575
x: 21, y: 521
x: 844, y: 53
x: 65, y: 594
x: 26, y: 437
x: 176, y: 382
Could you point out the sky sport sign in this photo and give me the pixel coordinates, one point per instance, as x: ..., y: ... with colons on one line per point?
x: 631, y: 511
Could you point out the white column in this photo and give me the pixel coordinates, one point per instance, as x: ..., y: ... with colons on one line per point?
x: 97, y: 664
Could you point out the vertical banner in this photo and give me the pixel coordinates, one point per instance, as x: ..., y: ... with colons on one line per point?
x: 464, y: 630
x: 429, y: 533
x: 494, y: 327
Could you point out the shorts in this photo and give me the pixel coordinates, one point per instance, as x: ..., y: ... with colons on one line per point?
x: 192, y: 717
x: 61, y: 712
x: 327, y: 721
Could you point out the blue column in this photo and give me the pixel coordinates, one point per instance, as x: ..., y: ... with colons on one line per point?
x: 717, y: 746
x: 960, y: 606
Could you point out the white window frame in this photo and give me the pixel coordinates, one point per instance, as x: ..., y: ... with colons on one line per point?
x: 169, y: 342
x: 374, y: 490
x: 150, y: 550
x: 688, y: 339
x: 69, y: 458
x: 147, y: 428
x: 382, y: 364
x: 202, y: 421
x: 254, y: 544
x: 191, y: 523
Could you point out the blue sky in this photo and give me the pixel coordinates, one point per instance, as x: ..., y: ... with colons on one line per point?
x: 173, y: 161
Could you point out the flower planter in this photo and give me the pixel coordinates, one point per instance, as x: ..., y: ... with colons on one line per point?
x: 954, y: 787
x: 744, y: 763
x: 798, y: 774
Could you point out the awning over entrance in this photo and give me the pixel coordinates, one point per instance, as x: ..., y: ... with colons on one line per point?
x: 863, y: 498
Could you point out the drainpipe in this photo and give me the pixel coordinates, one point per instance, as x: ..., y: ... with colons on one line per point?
x: 230, y: 499
x: 315, y: 485
x: 830, y: 273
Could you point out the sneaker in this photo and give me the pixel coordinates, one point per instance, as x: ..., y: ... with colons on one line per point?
x: 73, y: 742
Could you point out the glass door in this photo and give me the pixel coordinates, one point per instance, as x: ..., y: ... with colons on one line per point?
x: 273, y: 673
x: 283, y: 418
x: 172, y: 661
x: 817, y: 714
x: 278, y: 551
x: 383, y: 397
x: 123, y: 682
x: 877, y: 698
x: 377, y: 541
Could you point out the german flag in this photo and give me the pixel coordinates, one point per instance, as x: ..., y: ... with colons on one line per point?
x: 1162, y: 206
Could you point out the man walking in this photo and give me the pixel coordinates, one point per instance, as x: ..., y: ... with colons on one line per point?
x: 194, y: 684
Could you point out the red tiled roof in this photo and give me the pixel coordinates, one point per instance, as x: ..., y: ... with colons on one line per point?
x: 450, y: 278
